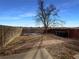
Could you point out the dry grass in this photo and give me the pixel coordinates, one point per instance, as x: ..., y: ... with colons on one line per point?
x: 57, y: 51
x: 65, y: 50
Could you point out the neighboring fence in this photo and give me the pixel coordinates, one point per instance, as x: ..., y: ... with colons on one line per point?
x: 8, y: 33
x: 66, y: 32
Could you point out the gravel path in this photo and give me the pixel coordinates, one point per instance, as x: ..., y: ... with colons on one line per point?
x: 40, y: 53
x: 40, y: 43
x: 36, y: 53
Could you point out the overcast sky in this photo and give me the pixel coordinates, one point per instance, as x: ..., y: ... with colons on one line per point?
x: 22, y: 12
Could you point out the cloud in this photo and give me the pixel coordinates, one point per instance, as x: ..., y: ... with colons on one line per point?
x: 8, y: 18
x: 28, y: 15
x: 18, y: 17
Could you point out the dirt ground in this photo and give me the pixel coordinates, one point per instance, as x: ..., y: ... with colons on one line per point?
x: 41, y: 47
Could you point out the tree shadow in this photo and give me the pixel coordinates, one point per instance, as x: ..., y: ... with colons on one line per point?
x: 38, y: 48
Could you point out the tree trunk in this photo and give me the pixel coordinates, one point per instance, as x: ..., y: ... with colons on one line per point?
x: 46, y: 30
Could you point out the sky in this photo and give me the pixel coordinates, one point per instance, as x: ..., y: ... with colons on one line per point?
x: 22, y: 12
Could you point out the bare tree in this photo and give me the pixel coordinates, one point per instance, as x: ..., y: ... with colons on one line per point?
x: 46, y: 16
